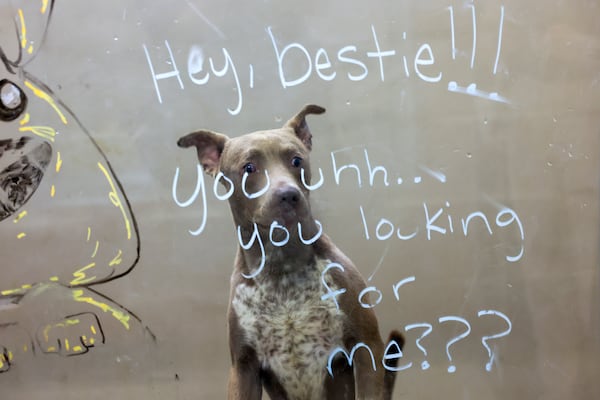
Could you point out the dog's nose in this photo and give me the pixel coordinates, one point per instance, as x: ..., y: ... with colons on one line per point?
x: 289, y: 195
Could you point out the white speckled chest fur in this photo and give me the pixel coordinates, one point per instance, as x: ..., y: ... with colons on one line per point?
x: 292, y: 330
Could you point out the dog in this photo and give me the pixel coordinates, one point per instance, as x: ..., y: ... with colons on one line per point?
x: 293, y: 298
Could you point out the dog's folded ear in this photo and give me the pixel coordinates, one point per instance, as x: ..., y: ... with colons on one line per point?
x: 298, y: 123
x: 209, y: 146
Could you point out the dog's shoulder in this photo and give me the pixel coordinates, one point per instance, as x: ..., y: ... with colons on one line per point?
x: 348, y: 275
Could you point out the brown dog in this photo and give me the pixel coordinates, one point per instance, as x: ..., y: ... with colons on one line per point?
x: 295, y: 325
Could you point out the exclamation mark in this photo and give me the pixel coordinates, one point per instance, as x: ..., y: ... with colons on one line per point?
x: 499, y: 39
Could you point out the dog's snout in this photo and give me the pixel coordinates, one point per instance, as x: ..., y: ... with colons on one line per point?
x: 289, y: 195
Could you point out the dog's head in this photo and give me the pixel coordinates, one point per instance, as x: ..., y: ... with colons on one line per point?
x: 267, y: 171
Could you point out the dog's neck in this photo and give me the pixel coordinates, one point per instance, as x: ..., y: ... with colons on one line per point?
x: 278, y: 259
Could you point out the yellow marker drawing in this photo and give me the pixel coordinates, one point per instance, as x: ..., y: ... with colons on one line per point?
x: 45, y: 132
x: 68, y: 322
x: 95, y: 249
x: 3, y: 359
x: 44, y: 96
x: 25, y: 348
x: 117, y: 314
x: 8, y: 292
x: 58, y: 161
x: 114, y: 198
x: 80, y: 277
x: 23, y: 29
x: 77, y: 348
x: 93, y: 329
x: 54, y: 278
x: 52, y: 191
x: 20, y: 216
x: 44, y: 6
x: 20, y: 290
x: 117, y: 260
x: 30, y: 49
x: 21, y: 235
x: 45, y: 331
x: 89, y: 236
x: 25, y: 119
x: 51, y: 349
x: 67, y: 344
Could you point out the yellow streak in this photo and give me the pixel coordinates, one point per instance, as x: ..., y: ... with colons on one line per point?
x: 25, y: 119
x: 8, y: 292
x: 116, y: 260
x: 89, y: 234
x: 80, y: 277
x: 58, y: 161
x: 23, y: 29
x: 44, y: 96
x: 44, y: 6
x: 117, y: 314
x: 114, y: 198
x: 20, y: 216
x: 77, y: 348
x: 52, y: 191
x: 54, y: 278
x: 95, y: 249
x: 45, y: 132
x: 68, y: 322
x: 46, y: 330
x: 21, y: 235
x: 93, y: 329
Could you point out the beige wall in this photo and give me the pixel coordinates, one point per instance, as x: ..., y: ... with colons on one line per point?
x: 506, y: 130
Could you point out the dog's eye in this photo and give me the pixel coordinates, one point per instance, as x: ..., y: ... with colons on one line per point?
x: 250, y: 168
x: 296, y: 162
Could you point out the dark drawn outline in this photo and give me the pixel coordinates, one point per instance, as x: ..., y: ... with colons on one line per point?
x: 17, y: 68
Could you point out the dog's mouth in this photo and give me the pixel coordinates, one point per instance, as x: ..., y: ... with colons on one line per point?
x: 283, y: 216
x: 289, y: 218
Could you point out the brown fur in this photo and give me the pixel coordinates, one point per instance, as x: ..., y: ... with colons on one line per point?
x: 280, y: 330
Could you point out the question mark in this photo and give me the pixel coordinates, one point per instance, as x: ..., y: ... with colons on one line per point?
x: 484, y: 339
x: 452, y: 368
x: 427, y: 331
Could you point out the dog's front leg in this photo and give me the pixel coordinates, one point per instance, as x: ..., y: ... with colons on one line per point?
x: 244, y: 381
x: 244, y: 376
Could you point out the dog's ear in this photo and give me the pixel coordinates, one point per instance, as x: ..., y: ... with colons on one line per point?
x: 209, y: 146
x: 298, y: 123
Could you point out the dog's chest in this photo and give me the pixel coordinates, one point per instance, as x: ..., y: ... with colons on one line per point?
x: 291, y: 328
